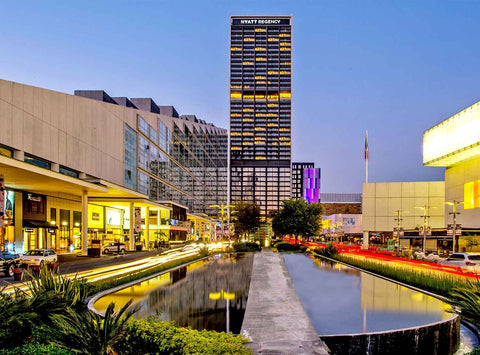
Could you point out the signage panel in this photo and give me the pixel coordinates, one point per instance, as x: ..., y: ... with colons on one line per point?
x: 137, y: 226
x: 260, y: 21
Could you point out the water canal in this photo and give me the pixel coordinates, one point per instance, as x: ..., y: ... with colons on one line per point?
x: 343, y: 300
x: 208, y: 294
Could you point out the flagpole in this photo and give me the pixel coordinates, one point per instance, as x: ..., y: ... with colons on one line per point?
x: 366, y: 157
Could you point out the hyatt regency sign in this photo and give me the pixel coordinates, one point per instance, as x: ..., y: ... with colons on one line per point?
x: 260, y: 21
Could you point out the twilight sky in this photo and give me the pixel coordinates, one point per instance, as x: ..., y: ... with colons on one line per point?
x: 394, y: 68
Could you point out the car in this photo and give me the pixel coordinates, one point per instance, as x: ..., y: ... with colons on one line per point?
x: 38, y: 257
x: 8, y: 262
x: 462, y: 260
x: 114, y: 247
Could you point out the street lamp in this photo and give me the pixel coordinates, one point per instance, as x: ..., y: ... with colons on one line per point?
x: 222, y: 214
x: 399, y: 220
x: 454, y: 213
x: 425, y: 225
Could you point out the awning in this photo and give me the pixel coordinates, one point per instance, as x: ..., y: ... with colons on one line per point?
x: 27, y: 223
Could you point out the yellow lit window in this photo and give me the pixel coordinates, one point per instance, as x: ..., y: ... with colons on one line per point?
x: 260, y: 158
x: 236, y: 95
x: 260, y: 77
x: 247, y: 119
x: 248, y: 39
x: 260, y: 48
x: 272, y: 97
x: 284, y: 143
x: 260, y: 59
x: 259, y: 128
x: 260, y: 97
x: 235, y: 48
x: 272, y: 124
x: 272, y: 39
x: 471, y: 194
x: 284, y: 48
x: 285, y: 95
x: 247, y: 133
x: 247, y: 63
x: 284, y: 72
x: 261, y: 82
x: 285, y: 44
x: 247, y: 143
x: 284, y: 130
x: 246, y: 86
x: 284, y: 35
x: 275, y: 143
x: 235, y: 115
x: 272, y: 105
x: 272, y: 72
x: 235, y: 86
x: 235, y: 133
x: 286, y: 63
x: 247, y: 110
x: 248, y: 97
x: 260, y: 30
x: 236, y: 148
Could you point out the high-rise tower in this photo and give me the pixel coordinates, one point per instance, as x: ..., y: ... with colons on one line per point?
x: 260, y: 109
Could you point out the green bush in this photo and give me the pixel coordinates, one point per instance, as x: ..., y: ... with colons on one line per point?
x: 241, y: 247
x: 36, y: 349
x: 329, y: 251
x: 153, y: 336
x: 466, y: 301
x: 285, y: 246
x: 303, y: 248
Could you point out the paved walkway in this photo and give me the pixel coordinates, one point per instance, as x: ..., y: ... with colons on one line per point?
x: 275, y: 320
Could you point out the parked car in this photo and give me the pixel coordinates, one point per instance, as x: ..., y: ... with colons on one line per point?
x: 38, y: 257
x: 8, y: 262
x: 114, y: 247
x: 462, y: 260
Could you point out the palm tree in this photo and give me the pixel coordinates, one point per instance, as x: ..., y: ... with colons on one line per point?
x: 89, y: 333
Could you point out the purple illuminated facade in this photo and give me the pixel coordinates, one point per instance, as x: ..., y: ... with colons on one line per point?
x: 311, y: 185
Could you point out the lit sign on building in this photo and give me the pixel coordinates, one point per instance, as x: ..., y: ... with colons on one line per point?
x: 453, y: 140
x: 311, y: 185
x: 471, y: 194
x: 260, y: 21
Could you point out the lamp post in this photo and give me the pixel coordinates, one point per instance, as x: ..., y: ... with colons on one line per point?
x: 454, y: 213
x: 399, y: 220
x: 425, y: 225
x: 222, y: 209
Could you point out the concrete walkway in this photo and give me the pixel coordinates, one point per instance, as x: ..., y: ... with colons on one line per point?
x: 275, y: 320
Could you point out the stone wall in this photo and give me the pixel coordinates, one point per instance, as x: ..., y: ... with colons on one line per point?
x: 336, y: 208
x: 442, y: 338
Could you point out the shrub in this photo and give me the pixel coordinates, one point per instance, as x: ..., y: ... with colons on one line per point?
x: 466, y: 301
x: 241, y: 247
x: 285, y: 246
x: 153, y: 336
x: 329, y: 251
x: 36, y: 349
x: 303, y: 248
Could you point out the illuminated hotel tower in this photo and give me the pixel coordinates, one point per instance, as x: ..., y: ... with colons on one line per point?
x: 260, y: 109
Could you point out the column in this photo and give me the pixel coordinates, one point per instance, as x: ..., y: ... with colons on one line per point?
x: 132, y: 224
x: 365, y: 239
x: 85, y: 223
x: 18, y: 230
x: 147, y: 229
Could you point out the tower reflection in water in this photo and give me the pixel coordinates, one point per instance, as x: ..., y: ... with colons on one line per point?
x: 208, y: 294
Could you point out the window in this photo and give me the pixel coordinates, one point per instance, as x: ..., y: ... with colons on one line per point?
x: 37, y: 162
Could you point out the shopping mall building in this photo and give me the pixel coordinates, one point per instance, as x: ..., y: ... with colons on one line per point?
x: 432, y: 206
x: 86, y: 169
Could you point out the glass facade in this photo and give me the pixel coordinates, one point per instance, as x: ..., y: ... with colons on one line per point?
x: 297, y: 178
x: 260, y: 110
x: 187, y: 165
x: 130, y: 158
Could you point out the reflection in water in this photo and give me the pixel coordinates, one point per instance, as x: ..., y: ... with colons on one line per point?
x: 342, y: 300
x: 209, y: 294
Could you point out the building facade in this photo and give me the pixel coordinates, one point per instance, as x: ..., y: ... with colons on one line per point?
x: 297, y: 178
x: 89, y: 167
x: 260, y: 110
x: 455, y: 144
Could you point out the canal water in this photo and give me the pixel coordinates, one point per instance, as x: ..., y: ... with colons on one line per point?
x: 208, y: 294
x: 343, y: 300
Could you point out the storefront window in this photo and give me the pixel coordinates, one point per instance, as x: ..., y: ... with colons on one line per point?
x: 130, y: 158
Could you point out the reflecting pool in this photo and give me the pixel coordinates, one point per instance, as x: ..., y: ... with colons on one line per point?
x: 208, y: 294
x: 343, y: 300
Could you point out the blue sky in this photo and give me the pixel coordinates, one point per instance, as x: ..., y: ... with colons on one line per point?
x: 394, y: 68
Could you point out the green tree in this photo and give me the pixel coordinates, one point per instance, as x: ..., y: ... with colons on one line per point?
x: 297, y: 218
x: 246, y: 217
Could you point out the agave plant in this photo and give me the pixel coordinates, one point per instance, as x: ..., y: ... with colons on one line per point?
x: 72, y: 291
x: 88, y: 333
x: 16, y: 319
x: 466, y: 301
